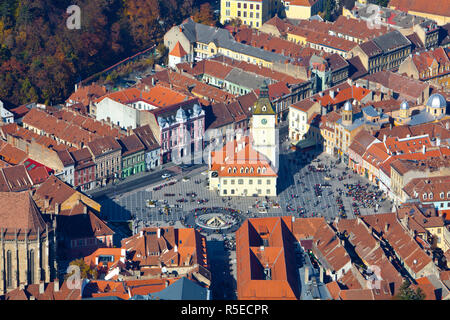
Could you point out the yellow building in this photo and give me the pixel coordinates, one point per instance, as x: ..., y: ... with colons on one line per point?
x: 438, y: 11
x: 251, y: 13
x: 302, y: 9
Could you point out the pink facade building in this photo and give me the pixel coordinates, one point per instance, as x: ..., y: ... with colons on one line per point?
x: 181, y: 128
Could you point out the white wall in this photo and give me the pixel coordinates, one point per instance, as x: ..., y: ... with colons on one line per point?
x: 119, y: 113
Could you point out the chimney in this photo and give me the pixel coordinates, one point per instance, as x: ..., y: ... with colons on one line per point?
x: 306, y: 274
x: 85, y: 209
x: 41, y: 287
x: 57, y: 208
x: 384, y: 138
x: 386, y: 228
x: 166, y: 283
x: 159, y: 233
x: 424, y: 149
x: 56, y: 285
x: 332, y: 94
x: 175, y: 248
x: 321, y: 274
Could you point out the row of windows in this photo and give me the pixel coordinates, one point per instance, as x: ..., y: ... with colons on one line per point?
x: 259, y: 191
x: 243, y: 5
x: 133, y: 160
x: 9, y: 271
x: 430, y: 195
x: 247, y: 170
x: 241, y: 181
x: 250, y: 14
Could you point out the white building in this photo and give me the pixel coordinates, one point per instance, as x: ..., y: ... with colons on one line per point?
x: 7, y: 117
x: 247, y: 166
x: 177, y: 55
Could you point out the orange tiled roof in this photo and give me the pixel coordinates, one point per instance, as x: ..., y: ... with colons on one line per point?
x: 239, y: 159
x: 178, y: 50
x: 277, y: 255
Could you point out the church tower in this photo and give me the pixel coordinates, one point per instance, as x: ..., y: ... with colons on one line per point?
x: 265, y: 136
x: 347, y: 114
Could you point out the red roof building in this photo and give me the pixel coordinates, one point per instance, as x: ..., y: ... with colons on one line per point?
x: 266, y: 267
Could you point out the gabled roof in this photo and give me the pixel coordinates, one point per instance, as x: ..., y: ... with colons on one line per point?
x: 103, y: 145
x: 178, y: 50
x: 131, y: 144
x: 17, y: 178
x: 145, y: 134
x: 81, y: 222
x: 440, y: 8
x: 18, y: 211
x: 276, y: 255
x: 54, y: 190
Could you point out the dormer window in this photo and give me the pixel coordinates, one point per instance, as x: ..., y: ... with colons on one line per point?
x: 264, y: 108
x: 424, y: 196
x: 430, y: 196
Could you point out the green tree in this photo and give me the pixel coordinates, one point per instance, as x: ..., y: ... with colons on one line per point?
x: 86, y: 272
x: 204, y: 15
x: 329, y: 7
x: 407, y: 293
x: 382, y: 3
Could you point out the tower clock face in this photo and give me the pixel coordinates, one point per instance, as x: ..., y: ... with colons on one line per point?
x: 264, y: 121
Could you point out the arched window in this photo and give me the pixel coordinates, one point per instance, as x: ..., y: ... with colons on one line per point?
x: 31, y: 265
x: 263, y: 170
x: 234, y: 170
x: 430, y: 196
x: 241, y: 170
x: 251, y: 170
x: 258, y: 171
x: 8, y: 269
x: 442, y: 195
x: 246, y: 169
x: 424, y: 196
x: 229, y: 170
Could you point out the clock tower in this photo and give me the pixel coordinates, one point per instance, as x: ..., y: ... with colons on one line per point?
x: 265, y: 136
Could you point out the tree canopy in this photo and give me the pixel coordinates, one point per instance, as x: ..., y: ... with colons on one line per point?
x: 41, y: 58
x: 407, y: 293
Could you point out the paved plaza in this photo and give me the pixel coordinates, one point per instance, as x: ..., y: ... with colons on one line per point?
x: 296, y: 195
